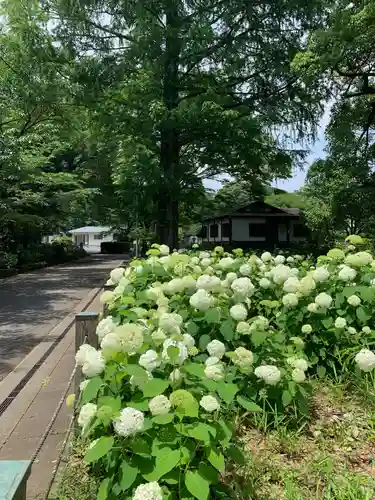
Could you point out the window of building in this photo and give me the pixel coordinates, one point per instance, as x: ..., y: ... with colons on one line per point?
x: 225, y: 230
x: 214, y: 231
x: 98, y: 236
x: 257, y: 230
x: 203, y: 233
x: 300, y: 230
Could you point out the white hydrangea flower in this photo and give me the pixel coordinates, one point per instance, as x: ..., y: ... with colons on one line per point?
x: 154, y: 292
x: 306, y: 328
x: 270, y: 374
x: 164, y: 250
x: 290, y: 260
x: 204, y: 255
x: 354, y: 300
x: 299, y: 363
x: 194, y: 261
x: 208, y: 283
x: 106, y: 297
x: 131, y: 337
x: 83, y: 352
x: 347, y: 273
x: 111, y: 342
x: 238, y: 312
x: 226, y: 262
x: 149, y: 360
x: 312, y: 307
x: 243, y: 328
x: 366, y: 329
x: 188, y: 340
x: 365, y: 360
x: 246, y: 269
x: 201, y: 300
x: 340, y: 323
x: 214, y: 372
x: 279, y: 259
x: 189, y: 282
x: 321, y: 274
x: 129, y: 422
x: 243, y: 287
x: 170, y: 322
x: 116, y: 274
x: 266, y: 257
x: 148, y: 491
x: 359, y: 259
x: 298, y: 375
x: 264, y: 283
x: 291, y: 285
x: 306, y: 285
x: 323, y: 300
x: 209, y: 403
x: 352, y: 330
x: 105, y: 326
x: 159, y: 405
x: 175, y: 375
x: 290, y: 300
x: 173, y: 287
x: 230, y: 277
x: 243, y: 358
x: 206, y: 262
x: 216, y: 349
x: 182, y: 354
x: 86, y: 414
x: 280, y: 274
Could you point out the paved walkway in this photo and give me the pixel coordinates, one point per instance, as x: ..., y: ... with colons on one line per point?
x: 32, y: 304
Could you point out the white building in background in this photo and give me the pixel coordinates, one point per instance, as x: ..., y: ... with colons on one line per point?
x: 91, y: 237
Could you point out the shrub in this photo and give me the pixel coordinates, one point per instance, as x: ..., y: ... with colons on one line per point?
x: 8, y: 260
x: 114, y: 247
x: 195, y: 341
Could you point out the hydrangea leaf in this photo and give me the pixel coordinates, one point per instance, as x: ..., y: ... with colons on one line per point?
x: 249, y: 405
x: 128, y: 475
x: 102, y: 446
x: 165, y: 461
x: 217, y: 460
x: 154, y: 387
x: 227, y: 391
x: 91, y: 390
x: 197, y: 485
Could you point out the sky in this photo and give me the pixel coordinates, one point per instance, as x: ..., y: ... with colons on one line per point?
x: 298, y: 179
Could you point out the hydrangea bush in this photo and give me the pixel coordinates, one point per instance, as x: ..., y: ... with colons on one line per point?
x: 191, y: 338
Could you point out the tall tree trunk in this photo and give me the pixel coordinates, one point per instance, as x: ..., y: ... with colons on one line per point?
x: 169, y: 192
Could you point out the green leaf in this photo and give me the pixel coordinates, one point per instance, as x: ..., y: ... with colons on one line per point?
x: 136, y: 371
x: 165, y: 461
x: 236, y: 455
x: 203, y: 342
x: 362, y: 315
x: 128, y: 475
x: 195, y: 369
x: 212, y: 316
x: 249, y: 405
x: 140, y: 446
x: 163, y: 419
x: 327, y: 322
x: 200, y: 431
x: 217, y: 460
x: 197, y: 485
x: 139, y: 405
x: 227, y: 391
x: 227, y: 330
x: 103, y: 489
x: 114, y: 403
x: 173, y: 353
x: 154, y: 387
x: 91, y: 390
x: 321, y: 371
x: 189, y: 410
x: 209, y: 473
x: 287, y: 398
x: 258, y: 337
x: 100, y: 448
x: 191, y: 328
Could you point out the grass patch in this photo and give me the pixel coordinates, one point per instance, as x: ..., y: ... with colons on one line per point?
x: 76, y: 483
x: 333, y: 457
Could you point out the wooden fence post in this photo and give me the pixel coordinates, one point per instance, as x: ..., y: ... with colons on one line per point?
x: 86, y: 323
